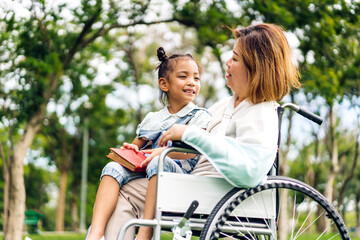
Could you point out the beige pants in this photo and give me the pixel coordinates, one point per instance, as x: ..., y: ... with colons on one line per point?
x: 131, y: 201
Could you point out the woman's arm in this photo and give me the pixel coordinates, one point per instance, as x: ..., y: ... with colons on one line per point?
x: 157, y: 151
x: 242, y: 164
x: 174, y: 133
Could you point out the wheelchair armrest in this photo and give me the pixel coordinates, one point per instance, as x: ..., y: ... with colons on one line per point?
x: 177, y: 146
x: 180, y: 144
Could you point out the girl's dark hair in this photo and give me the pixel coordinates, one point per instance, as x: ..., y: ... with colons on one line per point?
x: 166, y: 66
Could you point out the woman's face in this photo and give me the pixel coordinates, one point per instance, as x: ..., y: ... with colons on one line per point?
x: 236, y: 74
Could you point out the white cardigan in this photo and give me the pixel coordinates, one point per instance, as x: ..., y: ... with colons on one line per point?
x: 246, y: 152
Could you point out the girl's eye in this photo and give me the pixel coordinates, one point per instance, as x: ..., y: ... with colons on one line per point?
x: 234, y: 60
x: 197, y: 79
x: 182, y: 76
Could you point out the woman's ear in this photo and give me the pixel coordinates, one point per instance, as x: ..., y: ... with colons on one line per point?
x: 163, y: 84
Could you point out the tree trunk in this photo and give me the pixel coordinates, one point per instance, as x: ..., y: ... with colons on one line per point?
x: 309, y: 179
x: 357, y: 232
x: 61, y: 202
x: 283, y: 215
x: 353, y: 168
x: 6, y: 173
x: 74, y: 214
x: 17, y: 195
x: 328, y: 193
x: 6, y: 176
x: 357, y: 210
x: 16, y: 210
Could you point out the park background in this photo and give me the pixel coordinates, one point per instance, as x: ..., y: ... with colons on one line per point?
x: 76, y: 77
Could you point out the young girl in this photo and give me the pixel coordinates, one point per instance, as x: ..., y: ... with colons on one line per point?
x: 179, y: 83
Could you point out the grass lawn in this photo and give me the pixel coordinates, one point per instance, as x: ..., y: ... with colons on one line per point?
x: 79, y: 236
x: 53, y: 236
x: 63, y: 236
x: 56, y: 236
x: 71, y: 236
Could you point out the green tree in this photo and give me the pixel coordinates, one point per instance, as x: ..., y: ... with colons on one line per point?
x: 36, y: 182
x: 328, y: 33
x: 61, y: 147
x: 48, y: 47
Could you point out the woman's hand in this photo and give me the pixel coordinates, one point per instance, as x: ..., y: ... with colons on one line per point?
x: 174, y: 133
x: 153, y: 153
x: 130, y: 146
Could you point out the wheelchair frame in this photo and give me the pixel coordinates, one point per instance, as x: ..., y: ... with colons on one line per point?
x: 218, y: 200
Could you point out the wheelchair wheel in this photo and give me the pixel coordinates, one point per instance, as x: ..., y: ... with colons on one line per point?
x: 309, y: 214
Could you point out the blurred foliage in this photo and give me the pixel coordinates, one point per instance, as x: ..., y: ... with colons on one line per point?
x: 50, y: 62
x: 329, y: 42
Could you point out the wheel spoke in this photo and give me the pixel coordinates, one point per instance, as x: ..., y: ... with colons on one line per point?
x: 267, y: 213
x: 312, y: 223
x: 299, y: 232
x: 256, y: 218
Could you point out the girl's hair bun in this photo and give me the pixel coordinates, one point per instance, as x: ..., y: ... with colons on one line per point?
x: 161, y: 54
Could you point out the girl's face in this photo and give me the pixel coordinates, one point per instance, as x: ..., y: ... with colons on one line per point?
x: 183, y: 84
x: 236, y: 74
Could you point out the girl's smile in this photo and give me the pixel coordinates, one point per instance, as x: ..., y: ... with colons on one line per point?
x: 189, y: 91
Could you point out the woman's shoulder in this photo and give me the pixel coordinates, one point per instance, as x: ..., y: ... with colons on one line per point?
x: 219, y: 104
x: 266, y: 105
x: 264, y: 109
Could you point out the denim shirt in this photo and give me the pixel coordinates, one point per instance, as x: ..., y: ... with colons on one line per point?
x: 153, y: 137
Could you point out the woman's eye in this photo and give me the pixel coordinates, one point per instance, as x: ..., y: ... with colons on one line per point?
x: 234, y: 60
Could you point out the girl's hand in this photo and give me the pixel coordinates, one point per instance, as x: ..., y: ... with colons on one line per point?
x: 153, y: 153
x: 174, y: 133
x: 130, y: 146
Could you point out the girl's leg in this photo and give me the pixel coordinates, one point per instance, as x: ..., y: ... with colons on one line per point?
x: 105, y: 203
x: 130, y: 206
x: 145, y: 233
x: 149, y: 210
x: 113, y: 177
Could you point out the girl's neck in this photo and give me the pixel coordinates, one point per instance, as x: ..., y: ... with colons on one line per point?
x: 174, y: 108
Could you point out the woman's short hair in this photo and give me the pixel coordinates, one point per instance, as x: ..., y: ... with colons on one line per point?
x: 268, y: 58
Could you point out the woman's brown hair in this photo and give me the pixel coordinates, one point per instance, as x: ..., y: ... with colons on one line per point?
x: 268, y: 58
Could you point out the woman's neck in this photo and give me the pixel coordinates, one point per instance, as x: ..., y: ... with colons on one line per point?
x: 238, y: 100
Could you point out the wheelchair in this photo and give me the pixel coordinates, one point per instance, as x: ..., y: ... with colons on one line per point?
x: 211, y: 208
